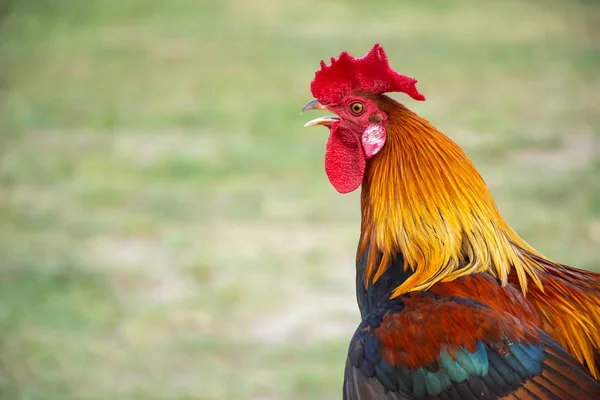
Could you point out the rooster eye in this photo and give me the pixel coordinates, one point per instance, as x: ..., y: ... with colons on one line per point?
x: 357, y: 108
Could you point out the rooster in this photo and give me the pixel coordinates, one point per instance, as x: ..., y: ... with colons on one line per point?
x: 454, y: 304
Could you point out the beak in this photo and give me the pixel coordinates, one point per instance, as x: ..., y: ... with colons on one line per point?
x: 326, y: 121
x: 314, y: 105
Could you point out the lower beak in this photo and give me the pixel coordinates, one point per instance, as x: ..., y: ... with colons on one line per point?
x: 326, y: 121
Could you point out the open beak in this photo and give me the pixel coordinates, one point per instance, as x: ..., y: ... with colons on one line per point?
x: 325, y: 121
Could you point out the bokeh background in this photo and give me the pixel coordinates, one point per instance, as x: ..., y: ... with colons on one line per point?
x: 167, y: 230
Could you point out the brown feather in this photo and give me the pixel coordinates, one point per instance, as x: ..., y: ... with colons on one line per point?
x: 569, y: 310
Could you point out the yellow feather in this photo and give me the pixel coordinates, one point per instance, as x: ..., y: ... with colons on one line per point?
x: 423, y: 197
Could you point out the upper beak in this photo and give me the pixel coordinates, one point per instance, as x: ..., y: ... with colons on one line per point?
x: 326, y: 121
x: 314, y: 105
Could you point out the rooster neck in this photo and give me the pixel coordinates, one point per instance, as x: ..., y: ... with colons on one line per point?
x: 423, y: 199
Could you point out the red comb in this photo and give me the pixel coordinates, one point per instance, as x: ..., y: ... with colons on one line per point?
x: 372, y: 74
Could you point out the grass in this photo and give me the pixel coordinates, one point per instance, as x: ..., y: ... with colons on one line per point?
x: 168, y: 231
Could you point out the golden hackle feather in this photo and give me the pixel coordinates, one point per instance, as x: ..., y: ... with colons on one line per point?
x: 422, y: 197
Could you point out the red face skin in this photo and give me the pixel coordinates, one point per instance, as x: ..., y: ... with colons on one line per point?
x: 356, y: 134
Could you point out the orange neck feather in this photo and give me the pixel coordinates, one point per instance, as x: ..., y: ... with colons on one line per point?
x: 423, y: 198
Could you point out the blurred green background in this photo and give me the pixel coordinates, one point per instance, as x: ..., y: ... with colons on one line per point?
x: 167, y: 230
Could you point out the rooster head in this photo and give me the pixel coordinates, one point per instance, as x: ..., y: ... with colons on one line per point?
x: 348, y: 87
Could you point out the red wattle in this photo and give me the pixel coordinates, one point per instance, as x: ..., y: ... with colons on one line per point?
x: 344, y: 160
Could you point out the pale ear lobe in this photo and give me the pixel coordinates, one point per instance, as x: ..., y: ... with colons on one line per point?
x: 373, y: 139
